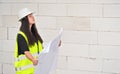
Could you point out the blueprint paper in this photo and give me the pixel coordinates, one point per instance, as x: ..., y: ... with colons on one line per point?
x: 48, y: 57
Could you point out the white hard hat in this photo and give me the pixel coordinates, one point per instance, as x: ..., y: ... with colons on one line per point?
x: 24, y: 12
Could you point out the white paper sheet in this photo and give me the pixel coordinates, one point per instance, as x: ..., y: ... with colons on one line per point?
x: 48, y: 57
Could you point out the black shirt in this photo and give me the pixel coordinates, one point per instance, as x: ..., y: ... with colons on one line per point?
x: 22, y: 44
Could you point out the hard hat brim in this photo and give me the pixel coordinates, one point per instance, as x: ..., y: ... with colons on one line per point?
x: 23, y: 13
x: 25, y: 16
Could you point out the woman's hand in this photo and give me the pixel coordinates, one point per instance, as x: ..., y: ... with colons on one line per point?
x: 59, y: 43
x: 35, y: 62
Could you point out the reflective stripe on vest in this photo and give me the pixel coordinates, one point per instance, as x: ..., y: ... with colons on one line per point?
x: 24, y: 67
x: 24, y: 57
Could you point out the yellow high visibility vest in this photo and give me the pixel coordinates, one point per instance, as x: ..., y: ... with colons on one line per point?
x: 22, y: 64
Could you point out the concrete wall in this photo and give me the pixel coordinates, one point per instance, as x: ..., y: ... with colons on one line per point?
x: 91, y: 37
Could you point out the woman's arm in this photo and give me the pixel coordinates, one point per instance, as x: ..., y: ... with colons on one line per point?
x: 30, y: 57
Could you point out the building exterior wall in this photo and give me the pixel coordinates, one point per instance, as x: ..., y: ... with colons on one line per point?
x: 91, y: 37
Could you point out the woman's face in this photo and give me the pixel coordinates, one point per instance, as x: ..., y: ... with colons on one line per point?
x: 31, y: 19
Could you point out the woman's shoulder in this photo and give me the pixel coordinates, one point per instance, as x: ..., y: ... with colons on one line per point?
x: 20, y: 37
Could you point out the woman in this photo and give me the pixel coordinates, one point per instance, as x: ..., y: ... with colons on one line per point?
x: 28, y: 44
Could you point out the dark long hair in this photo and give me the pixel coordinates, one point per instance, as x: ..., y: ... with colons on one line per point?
x: 32, y: 37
